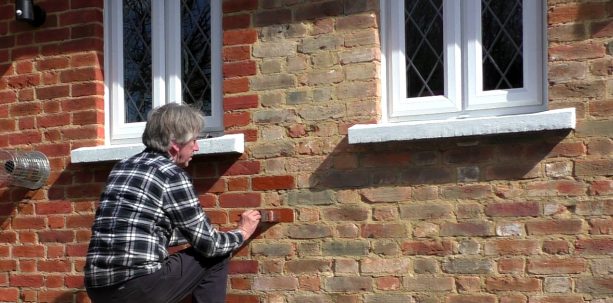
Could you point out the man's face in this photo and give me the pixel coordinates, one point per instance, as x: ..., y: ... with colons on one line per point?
x: 182, y: 153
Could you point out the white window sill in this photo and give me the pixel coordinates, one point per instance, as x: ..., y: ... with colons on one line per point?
x: 405, y: 131
x: 227, y: 144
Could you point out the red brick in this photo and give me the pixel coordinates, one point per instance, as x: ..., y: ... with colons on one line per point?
x: 217, y: 217
x: 53, y: 92
x: 79, y: 221
x: 601, y: 226
x: 235, y: 298
x: 555, y: 247
x: 470, y: 298
x: 58, y: 236
x: 28, y: 251
x: 270, y: 17
x: 243, y: 267
x: 9, y: 294
x: 87, y: 89
x: 61, y: 119
x: 550, y: 266
x: 512, y: 247
x: 240, y: 102
x: 242, y: 36
x: 576, y: 12
x: 513, y: 284
x: 577, y: 51
x: 23, y: 81
x: 54, y: 266
x: 554, y: 227
x: 515, y: 209
x: 272, y: 183
x: 81, y: 16
x: 236, y: 21
x: 427, y: 248
x: 236, y: 53
x: 506, y: 266
x: 236, y: 85
x: 476, y: 228
x: 239, y: 69
x: 236, y: 119
x: 594, y: 246
x: 234, y: 200
x: 25, y: 109
x: 52, y: 35
x: 231, y: 6
x: 81, y: 74
x: 384, y: 231
x: 28, y: 222
x: 568, y: 298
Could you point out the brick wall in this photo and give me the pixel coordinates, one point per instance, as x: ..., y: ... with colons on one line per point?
x: 523, y: 218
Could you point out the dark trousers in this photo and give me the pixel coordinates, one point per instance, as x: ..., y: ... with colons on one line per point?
x: 183, y: 274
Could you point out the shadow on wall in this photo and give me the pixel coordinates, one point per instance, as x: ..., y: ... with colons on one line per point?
x: 436, y: 162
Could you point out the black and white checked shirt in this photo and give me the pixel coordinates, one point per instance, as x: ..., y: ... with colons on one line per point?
x: 149, y: 204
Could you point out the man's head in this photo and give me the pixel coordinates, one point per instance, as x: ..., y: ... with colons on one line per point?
x: 173, y: 128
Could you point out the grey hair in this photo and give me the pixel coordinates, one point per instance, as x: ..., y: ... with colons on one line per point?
x: 172, y: 122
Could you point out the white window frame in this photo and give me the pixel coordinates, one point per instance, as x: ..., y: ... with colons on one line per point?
x: 451, y: 115
x: 464, y: 96
x: 166, y: 65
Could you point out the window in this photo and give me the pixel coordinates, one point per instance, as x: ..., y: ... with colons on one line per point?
x: 161, y: 51
x: 449, y: 59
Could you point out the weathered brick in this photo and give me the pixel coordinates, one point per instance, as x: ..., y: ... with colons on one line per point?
x: 345, y: 248
x: 515, y: 209
x: 513, y: 284
x: 551, y: 227
x: 385, y: 266
x: 476, y: 228
x: 468, y: 266
x: 427, y: 247
x: 347, y: 284
x: 549, y: 266
x: 595, y: 285
x: 426, y: 211
x: 594, y: 246
x: 471, y: 298
x: 433, y: 284
x: 506, y: 247
x: 275, y: 283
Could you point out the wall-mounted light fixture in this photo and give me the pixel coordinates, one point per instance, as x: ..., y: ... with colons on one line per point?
x: 26, y: 11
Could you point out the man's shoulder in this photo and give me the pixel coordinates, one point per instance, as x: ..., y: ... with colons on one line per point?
x: 153, y: 162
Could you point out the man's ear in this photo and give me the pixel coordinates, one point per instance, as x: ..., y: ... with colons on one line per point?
x: 174, y: 149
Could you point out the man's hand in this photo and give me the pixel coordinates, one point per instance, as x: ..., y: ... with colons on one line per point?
x: 249, y: 222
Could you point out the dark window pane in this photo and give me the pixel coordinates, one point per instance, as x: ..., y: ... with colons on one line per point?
x: 137, y: 59
x: 196, y: 53
x: 502, y: 44
x: 424, y: 47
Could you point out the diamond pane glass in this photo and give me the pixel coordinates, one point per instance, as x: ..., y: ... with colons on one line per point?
x: 424, y: 47
x: 137, y: 79
x: 502, y: 44
x: 196, y: 54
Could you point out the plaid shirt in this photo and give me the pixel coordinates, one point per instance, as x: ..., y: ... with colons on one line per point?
x: 149, y: 204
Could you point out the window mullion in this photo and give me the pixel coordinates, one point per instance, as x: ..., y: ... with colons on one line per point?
x: 173, y: 54
x: 158, y: 52
x: 471, y: 42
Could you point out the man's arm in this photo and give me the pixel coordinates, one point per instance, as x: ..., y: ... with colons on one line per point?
x: 182, y: 206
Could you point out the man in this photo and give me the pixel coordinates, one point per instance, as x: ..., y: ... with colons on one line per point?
x: 149, y: 204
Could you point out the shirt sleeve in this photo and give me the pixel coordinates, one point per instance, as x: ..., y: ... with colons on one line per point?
x: 182, y: 207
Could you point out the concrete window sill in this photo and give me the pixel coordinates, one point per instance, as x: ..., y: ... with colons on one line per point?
x: 414, y: 130
x: 227, y: 144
